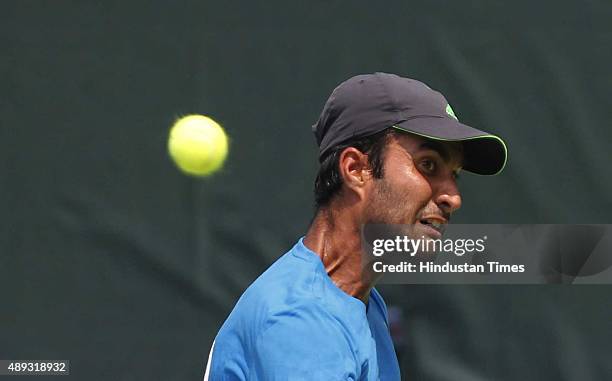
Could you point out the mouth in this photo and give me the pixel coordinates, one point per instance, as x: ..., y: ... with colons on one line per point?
x: 433, y: 226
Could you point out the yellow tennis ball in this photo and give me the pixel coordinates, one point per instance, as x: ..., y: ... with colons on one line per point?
x: 197, y: 145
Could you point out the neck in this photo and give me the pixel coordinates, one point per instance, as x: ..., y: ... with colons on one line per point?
x: 335, y: 236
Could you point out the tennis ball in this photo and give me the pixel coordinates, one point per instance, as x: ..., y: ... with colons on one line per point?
x: 197, y: 145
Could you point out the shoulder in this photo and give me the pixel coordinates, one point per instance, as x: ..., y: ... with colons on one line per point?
x: 291, y: 316
x: 294, y: 293
x: 289, y: 280
x: 284, y: 286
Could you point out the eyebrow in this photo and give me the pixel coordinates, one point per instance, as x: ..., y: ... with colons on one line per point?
x: 441, y: 149
x: 438, y: 147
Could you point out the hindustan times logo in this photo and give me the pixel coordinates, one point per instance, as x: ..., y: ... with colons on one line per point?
x: 403, y: 244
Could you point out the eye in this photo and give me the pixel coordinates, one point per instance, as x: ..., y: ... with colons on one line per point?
x: 428, y: 165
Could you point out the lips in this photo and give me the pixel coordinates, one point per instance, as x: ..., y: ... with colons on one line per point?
x: 434, y: 226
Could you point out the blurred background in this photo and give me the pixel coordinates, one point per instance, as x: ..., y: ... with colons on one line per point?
x: 114, y: 260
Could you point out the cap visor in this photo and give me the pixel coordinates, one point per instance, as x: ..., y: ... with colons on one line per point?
x: 483, y: 153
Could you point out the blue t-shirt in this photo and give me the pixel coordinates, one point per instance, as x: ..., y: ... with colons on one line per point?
x: 294, y: 323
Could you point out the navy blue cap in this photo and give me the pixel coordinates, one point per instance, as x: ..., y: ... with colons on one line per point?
x: 367, y: 104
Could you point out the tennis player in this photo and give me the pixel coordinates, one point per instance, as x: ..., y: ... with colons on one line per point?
x: 390, y: 149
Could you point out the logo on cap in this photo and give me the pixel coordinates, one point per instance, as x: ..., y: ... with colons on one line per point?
x: 450, y: 112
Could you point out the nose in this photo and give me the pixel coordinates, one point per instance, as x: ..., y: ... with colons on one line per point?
x: 449, y: 197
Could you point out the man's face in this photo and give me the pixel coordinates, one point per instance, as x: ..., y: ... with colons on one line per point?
x: 419, y: 185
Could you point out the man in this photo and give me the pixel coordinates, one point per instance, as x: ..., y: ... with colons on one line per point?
x: 390, y: 149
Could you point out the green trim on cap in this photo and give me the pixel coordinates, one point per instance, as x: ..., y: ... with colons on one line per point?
x: 450, y: 112
x: 459, y: 140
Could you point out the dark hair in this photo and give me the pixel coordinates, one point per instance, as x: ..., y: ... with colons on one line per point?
x: 329, y: 181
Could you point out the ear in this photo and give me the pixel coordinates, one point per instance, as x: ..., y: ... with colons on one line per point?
x: 355, y: 170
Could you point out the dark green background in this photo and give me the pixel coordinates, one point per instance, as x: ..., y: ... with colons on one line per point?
x: 114, y: 260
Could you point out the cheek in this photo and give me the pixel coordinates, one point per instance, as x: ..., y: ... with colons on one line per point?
x: 404, y: 194
x: 415, y: 187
